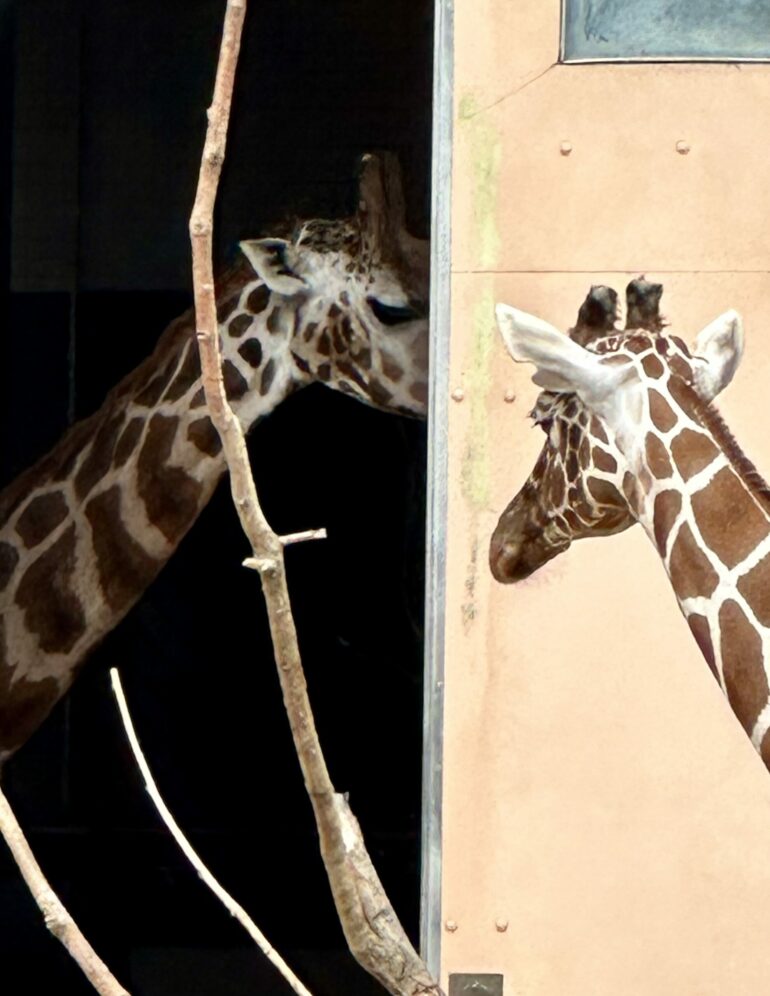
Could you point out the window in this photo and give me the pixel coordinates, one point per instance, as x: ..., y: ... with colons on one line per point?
x: 635, y: 30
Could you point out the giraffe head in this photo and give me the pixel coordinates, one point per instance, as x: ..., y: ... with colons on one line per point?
x: 352, y: 295
x: 613, y: 403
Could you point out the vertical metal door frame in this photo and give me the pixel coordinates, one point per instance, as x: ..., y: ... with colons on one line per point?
x: 440, y: 323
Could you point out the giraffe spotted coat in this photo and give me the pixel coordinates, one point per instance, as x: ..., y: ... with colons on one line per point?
x: 632, y: 436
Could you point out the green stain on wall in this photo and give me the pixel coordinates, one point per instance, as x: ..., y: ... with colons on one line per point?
x: 486, y: 147
x: 477, y: 381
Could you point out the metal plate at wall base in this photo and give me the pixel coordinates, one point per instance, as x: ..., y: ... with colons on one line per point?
x: 475, y: 984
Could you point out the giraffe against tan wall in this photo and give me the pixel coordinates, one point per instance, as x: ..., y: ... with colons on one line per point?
x: 87, y: 528
x: 632, y: 436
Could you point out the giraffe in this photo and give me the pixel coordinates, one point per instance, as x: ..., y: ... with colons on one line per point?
x: 86, y: 529
x: 632, y: 436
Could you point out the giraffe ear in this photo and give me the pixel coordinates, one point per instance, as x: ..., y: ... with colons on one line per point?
x: 720, y: 346
x: 268, y: 258
x: 562, y: 365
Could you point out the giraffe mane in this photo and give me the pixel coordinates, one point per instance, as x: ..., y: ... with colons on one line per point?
x: 709, y: 417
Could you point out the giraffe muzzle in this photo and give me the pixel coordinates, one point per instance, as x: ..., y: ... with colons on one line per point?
x: 519, y: 547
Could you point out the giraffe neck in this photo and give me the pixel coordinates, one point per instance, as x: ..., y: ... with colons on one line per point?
x: 708, y: 513
x: 85, y: 530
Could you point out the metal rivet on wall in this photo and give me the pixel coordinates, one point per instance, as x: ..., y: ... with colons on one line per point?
x: 509, y: 396
x: 565, y: 148
x: 501, y: 925
x: 451, y: 926
x: 458, y: 394
x: 682, y: 147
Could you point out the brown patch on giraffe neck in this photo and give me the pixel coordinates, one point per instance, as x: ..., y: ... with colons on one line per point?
x: 631, y: 493
x: 700, y: 629
x: 728, y: 518
x: 150, y: 394
x: 171, y: 497
x: 274, y: 323
x: 603, y: 492
x: 661, y: 413
x: 603, y: 460
x: 41, y: 516
x: 226, y: 307
x: 691, y: 573
x: 9, y: 558
x: 744, y: 675
x: 706, y: 415
x: 597, y: 430
x: 125, y: 569
x: 235, y: 383
x: 98, y: 459
x: 251, y: 351
x: 637, y: 343
x: 24, y: 704
x: 682, y: 345
x: 258, y: 299
x: 755, y: 588
x: 657, y: 457
x: 189, y: 372
x: 128, y: 441
x: 652, y: 366
x: 681, y: 368
x: 266, y: 380
x: 239, y: 325
x: 52, y: 610
x: 668, y: 504
x: 692, y: 452
x: 202, y: 434
x: 617, y: 361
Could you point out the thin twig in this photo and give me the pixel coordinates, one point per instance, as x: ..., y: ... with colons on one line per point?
x: 233, y: 907
x: 56, y: 917
x: 371, y: 928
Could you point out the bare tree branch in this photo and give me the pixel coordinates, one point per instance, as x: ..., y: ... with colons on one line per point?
x: 56, y: 917
x: 234, y: 908
x: 371, y: 928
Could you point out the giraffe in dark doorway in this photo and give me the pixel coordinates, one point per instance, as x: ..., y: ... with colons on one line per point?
x: 86, y: 529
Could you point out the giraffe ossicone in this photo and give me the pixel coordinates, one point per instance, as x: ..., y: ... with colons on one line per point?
x: 87, y: 528
x: 632, y: 436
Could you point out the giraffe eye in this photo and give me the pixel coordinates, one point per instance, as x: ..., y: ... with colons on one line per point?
x: 390, y: 314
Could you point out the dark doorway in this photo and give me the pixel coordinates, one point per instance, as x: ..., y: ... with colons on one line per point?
x: 102, y: 124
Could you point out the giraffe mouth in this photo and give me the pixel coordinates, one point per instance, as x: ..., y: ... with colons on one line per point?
x: 506, y: 563
x: 516, y: 553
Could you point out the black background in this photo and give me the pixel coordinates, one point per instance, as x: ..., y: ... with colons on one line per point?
x: 101, y: 126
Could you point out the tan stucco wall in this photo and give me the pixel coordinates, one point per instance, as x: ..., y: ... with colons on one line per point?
x: 599, y: 797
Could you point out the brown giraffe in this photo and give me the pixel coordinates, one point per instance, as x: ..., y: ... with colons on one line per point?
x: 87, y: 528
x: 632, y: 436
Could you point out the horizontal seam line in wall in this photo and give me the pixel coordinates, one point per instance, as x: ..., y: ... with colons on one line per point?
x: 613, y: 269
